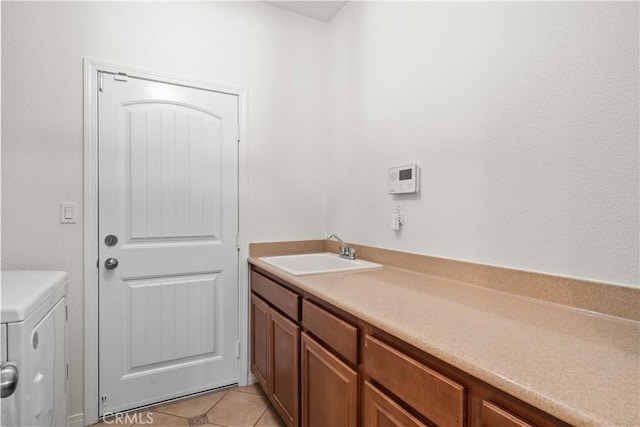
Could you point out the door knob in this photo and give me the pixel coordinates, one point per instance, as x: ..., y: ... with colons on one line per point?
x: 110, y: 263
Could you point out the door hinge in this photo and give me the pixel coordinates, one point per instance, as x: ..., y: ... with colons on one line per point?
x: 238, y: 241
x: 121, y: 77
x: 103, y: 399
x: 238, y: 133
x: 66, y: 309
x: 100, y: 81
x: 67, y: 371
x: 238, y: 350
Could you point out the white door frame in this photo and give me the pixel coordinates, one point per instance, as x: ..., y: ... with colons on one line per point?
x: 91, y: 327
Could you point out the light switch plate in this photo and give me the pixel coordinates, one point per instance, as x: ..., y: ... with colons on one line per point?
x: 68, y: 212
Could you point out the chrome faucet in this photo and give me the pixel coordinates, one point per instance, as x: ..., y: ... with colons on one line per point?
x: 345, y: 251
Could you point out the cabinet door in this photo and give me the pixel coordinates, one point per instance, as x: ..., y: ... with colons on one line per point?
x: 284, y: 340
x: 259, y: 340
x: 329, y: 388
x: 381, y: 411
x: 495, y: 416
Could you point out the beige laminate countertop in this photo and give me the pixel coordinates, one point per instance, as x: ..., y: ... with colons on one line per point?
x: 580, y: 366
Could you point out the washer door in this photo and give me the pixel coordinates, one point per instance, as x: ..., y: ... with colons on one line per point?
x: 48, y: 368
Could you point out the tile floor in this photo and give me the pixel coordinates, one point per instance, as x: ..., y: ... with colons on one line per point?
x: 234, y: 407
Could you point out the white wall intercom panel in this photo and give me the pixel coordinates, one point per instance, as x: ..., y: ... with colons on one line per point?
x: 404, y: 179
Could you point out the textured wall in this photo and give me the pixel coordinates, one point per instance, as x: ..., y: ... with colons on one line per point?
x: 278, y: 56
x: 522, y: 115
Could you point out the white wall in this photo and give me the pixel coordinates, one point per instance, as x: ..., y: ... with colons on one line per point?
x: 278, y: 56
x: 522, y: 115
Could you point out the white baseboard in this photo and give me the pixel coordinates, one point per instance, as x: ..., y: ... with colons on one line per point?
x: 76, y: 420
x: 251, y: 379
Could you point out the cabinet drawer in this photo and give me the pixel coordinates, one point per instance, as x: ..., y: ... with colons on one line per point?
x: 281, y: 298
x: 437, y: 397
x: 380, y: 410
x: 495, y: 416
x: 338, y: 334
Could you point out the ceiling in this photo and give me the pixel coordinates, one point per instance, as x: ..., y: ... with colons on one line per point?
x: 321, y: 10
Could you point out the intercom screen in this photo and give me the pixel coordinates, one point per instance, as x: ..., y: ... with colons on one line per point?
x: 405, y: 174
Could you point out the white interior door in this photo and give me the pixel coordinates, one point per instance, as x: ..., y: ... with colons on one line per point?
x: 168, y: 192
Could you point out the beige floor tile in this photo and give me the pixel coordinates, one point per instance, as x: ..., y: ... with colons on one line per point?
x: 270, y: 418
x: 253, y: 389
x: 238, y: 409
x: 198, y: 421
x: 194, y: 406
x: 159, y: 419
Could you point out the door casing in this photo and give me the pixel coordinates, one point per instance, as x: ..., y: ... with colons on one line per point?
x: 91, y: 276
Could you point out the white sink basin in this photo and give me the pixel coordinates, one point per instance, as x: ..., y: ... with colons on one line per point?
x: 300, y: 265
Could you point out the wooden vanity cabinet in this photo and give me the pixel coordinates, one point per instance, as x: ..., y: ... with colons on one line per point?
x: 275, y: 344
x: 320, y: 370
x: 329, y: 369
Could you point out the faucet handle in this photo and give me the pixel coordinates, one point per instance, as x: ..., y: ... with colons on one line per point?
x: 350, y: 253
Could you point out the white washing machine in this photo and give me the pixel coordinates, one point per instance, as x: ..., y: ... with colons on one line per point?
x: 34, y: 349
